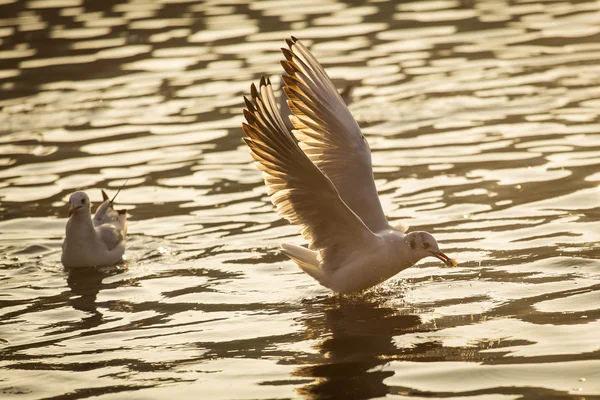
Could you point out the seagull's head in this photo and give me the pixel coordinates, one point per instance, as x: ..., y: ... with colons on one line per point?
x: 422, y: 244
x: 79, y: 203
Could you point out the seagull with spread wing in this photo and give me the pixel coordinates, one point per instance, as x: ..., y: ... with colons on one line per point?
x: 319, y: 176
x: 94, y: 242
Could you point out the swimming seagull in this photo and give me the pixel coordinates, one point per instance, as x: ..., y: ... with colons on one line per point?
x: 320, y: 177
x: 94, y: 242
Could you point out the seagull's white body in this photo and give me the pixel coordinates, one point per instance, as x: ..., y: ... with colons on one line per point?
x: 97, y: 242
x: 319, y: 176
x: 362, y: 267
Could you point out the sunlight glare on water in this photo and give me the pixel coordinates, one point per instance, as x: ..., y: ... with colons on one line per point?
x: 483, y: 120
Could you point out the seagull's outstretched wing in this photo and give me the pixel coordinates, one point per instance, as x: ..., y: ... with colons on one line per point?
x: 329, y: 135
x: 285, y: 111
x: 301, y: 192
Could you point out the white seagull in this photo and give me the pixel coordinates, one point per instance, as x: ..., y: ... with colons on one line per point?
x: 97, y: 242
x: 319, y: 176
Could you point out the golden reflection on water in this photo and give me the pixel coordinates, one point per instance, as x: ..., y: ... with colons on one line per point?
x: 483, y: 122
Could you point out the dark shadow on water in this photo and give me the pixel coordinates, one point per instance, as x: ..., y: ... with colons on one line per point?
x: 85, y: 284
x: 358, y: 336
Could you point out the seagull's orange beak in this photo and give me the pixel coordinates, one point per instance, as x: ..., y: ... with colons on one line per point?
x: 73, y: 210
x: 444, y: 258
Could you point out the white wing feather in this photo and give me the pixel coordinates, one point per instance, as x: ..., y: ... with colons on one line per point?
x: 106, y: 214
x: 329, y: 135
x: 110, y: 224
x: 109, y: 235
x: 301, y: 192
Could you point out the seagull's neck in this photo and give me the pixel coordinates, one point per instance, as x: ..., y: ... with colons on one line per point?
x: 409, y: 256
x: 80, y: 226
x: 400, y: 251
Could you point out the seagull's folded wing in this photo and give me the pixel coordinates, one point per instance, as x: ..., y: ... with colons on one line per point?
x: 109, y: 235
x: 106, y: 214
x: 329, y: 135
x: 301, y: 192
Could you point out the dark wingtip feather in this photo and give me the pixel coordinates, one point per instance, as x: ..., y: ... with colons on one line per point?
x: 262, y: 81
x: 287, y: 54
x: 253, y: 91
x: 287, y: 67
x: 249, y: 105
x: 121, y: 212
x: 104, y: 195
x: 247, y: 129
x: 250, y: 118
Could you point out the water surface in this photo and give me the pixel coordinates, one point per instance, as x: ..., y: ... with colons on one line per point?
x: 483, y: 119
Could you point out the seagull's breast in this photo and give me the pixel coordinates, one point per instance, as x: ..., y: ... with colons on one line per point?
x: 372, y: 265
x: 83, y: 248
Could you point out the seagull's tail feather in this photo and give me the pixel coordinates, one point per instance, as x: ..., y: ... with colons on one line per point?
x: 122, y: 218
x: 306, y: 259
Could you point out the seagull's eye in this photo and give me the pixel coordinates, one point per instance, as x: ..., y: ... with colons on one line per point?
x: 82, y: 201
x: 426, y: 245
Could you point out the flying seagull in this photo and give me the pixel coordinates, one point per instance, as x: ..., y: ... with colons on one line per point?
x: 319, y: 176
x: 94, y: 242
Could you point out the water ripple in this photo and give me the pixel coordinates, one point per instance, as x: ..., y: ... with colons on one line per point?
x: 482, y: 119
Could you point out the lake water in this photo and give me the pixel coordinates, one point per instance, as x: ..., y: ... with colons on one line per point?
x: 483, y: 119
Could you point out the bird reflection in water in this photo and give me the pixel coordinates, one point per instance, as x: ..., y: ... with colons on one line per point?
x: 359, y: 336
x: 85, y: 284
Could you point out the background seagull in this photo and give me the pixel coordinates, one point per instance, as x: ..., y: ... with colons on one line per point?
x: 320, y: 177
x: 97, y: 242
